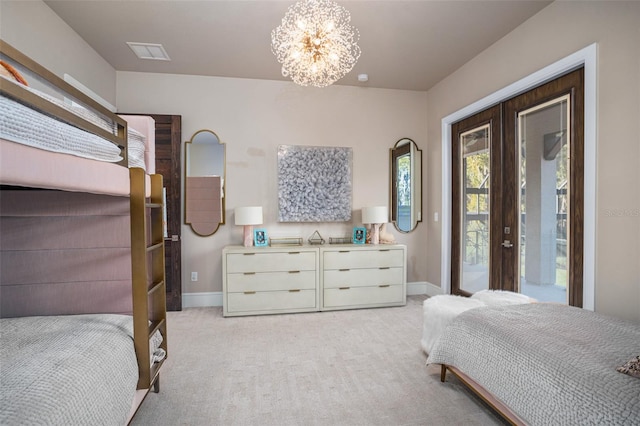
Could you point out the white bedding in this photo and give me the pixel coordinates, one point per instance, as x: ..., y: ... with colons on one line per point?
x: 551, y: 364
x: 67, y: 370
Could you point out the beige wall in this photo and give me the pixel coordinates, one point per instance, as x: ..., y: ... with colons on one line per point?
x: 34, y: 29
x: 253, y: 117
x: 557, y: 31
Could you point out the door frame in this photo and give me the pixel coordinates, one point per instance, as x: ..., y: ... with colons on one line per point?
x: 586, y: 57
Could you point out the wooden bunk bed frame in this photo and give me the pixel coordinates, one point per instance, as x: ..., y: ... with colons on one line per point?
x: 146, y: 218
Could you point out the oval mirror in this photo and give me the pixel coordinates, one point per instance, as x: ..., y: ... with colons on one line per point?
x: 204, y: 161
x: 406, y: 185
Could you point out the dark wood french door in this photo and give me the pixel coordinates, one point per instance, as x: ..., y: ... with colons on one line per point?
x: 168, y: 148
x: 517, y: 201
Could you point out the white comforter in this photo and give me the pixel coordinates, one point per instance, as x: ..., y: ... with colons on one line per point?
x: 67, y: 370
x: 551, y: 364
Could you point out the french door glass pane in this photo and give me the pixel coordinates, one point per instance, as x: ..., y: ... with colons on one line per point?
x: 544, y: 209
x: 474, y: 232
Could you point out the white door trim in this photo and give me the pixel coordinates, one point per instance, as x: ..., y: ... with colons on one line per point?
x: 586, y: 57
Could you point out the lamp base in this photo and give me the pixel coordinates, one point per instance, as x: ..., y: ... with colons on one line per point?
x: 248, y: 235
x: 375, y: 233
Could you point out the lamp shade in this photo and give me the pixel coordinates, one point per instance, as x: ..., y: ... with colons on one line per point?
x: 378, y: 214
x: 248, y: 215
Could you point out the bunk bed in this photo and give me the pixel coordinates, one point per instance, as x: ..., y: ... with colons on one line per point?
x: 83, y: 331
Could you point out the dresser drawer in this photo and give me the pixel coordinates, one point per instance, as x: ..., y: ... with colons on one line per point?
x: 271, y: 281
x: 335, y: 278
x: 361, y: 297
x: 272, y: 301
x: 352, y: 259
x: 271, y: 262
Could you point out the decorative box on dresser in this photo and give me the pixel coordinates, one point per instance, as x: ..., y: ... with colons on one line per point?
x: 274, y: 280
x: 363, y: 276
x: 269, y: 280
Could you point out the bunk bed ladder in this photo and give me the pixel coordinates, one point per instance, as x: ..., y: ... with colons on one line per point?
x: 147, y: 270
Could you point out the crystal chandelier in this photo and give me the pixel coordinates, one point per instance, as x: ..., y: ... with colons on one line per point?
x: 315, y: 43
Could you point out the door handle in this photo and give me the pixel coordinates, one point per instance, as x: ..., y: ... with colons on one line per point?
x: 507, y: 244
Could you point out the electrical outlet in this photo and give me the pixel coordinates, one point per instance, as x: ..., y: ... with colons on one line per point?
x: 194, y: 276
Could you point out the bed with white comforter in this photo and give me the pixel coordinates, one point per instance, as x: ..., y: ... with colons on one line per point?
x: 548, y: 363
x: 67, y: 370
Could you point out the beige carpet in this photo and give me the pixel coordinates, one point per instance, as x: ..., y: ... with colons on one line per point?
x: 358, y: 367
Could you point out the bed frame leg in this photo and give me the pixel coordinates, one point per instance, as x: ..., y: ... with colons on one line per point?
x: 156, y: 385
x: 443, y: 372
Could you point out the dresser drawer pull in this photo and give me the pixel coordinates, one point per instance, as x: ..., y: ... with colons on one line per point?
x: 249, y: 292
x: 344, y: 270
x: 294, y: 272
x: 248, y: 254
x: 344, y: 288
x: 384, y: 250
x: 384, y: 267
x: 295, y: 290
x: 344, y: 251
x: 249, y: 273
x: 384, y: 285
x: 294, y: 252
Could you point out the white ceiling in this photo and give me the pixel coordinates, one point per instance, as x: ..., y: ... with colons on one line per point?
x: 405, y: 44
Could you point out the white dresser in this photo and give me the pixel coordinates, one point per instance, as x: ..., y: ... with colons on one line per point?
x: 363, y: 276
x: 271, y: 280
x: 268, y: 280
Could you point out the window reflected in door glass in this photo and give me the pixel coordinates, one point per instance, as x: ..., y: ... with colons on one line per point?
x: 475, y: 179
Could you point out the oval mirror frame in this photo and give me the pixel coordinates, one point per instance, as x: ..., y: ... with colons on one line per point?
x: 204, y: 188
x: 405, y: 185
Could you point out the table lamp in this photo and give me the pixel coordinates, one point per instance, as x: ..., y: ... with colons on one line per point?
x: 248, y: 216
x: 375, y: 216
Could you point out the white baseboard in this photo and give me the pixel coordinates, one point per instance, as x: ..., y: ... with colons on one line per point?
x: 201, y: 300
x: 214, y: 298
x: 423, y: 287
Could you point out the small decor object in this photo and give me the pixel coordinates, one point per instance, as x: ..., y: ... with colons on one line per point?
x: 8, y: 71
x: 260, y: 237
x: 339, y: 240
x: 314, y: 184
x: 247, y: 217
x: 359, y: 235
x: 631, y: 368
x: 315, y: 43
x: 375, y: 216
x: 316, y: 239
x: 283, y: 242
x: 386, y: 237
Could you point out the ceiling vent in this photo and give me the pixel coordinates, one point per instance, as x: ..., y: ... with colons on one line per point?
x: 149, y: 51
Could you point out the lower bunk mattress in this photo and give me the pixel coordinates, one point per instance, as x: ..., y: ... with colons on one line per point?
x: 67, y: 370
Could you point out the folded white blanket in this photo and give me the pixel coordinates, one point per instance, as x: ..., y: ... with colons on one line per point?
x: 440, y: 310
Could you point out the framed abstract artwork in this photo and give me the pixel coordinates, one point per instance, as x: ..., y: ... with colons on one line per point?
x: 314, y: 184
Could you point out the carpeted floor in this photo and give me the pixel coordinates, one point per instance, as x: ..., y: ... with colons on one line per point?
x: 358, y: 367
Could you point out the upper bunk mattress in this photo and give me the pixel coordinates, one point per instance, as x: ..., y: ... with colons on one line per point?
x: 27, y: 126
x: 39, y: 151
